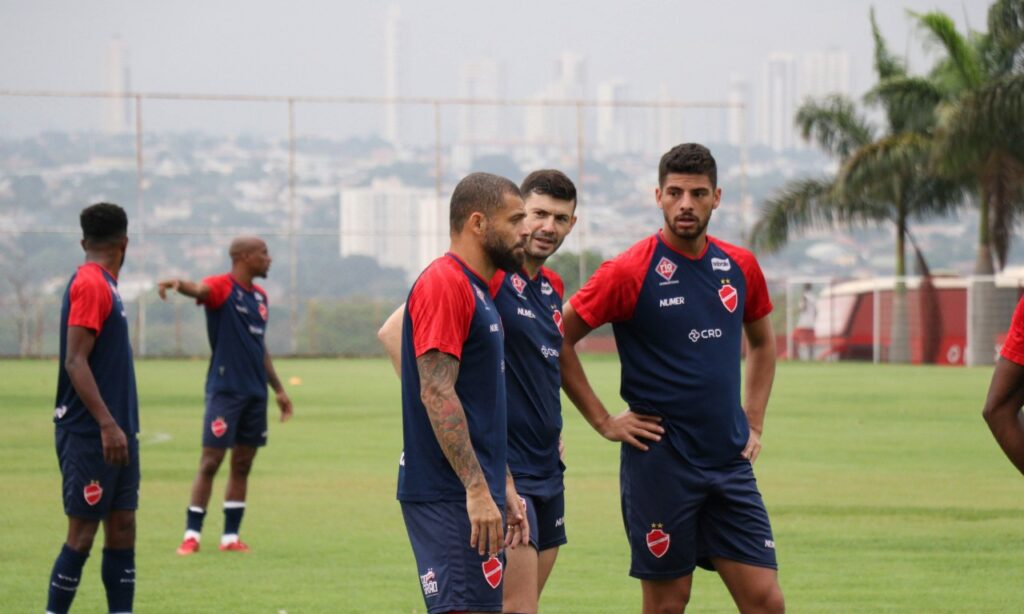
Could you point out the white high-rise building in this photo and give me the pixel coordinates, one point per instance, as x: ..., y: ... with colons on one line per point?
x: 611, y: 128
x: 117, y: 109
x: 482, y: 79
x: 397, y: 225
x: 739, y: 125
x: 825, y: 73
x: 542, y: 124
x: 778, y: 102
x: 393, y: 26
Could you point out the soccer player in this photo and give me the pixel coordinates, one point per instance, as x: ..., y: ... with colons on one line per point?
x: 453, y: 479
x: 237, y: 311
x: 530, y: 304
x: 1006, y: 393
x: 97, y: 418
x: 679, y: 302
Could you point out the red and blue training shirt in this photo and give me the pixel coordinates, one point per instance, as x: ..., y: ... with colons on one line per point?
x: 678, y: 324
x: 531, y: 312
x: 236, y: 324
x: 450, y: 310
x: 91, y: 301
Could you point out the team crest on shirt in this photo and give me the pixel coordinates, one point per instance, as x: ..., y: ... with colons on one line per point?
x: 492, y: 571
x: 92, y: 493
x: 518, y: 283
x: 557, y: 317
x: 545, y: 287
x: 658, y: 541
x: 218, y: 427
x: 666, y: 268
x: 729, y: 296
x: 263, y: 311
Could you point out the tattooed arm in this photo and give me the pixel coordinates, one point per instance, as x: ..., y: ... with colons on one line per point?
x: 438, y: 372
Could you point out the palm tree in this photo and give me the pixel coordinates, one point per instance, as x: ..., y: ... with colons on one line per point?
x: 882, y: 178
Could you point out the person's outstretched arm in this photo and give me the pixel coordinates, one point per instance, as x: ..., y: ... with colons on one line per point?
x: 1002, y: 409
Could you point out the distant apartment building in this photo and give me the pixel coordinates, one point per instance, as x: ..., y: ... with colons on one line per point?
x: 397, y: 225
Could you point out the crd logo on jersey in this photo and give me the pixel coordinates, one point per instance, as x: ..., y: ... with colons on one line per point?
x: 708, y: 333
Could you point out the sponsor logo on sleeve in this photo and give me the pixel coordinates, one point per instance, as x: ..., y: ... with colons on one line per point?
x: 492, y: 571
x: 93, y: 492
x: 720, y: 264
x: 658, y: 541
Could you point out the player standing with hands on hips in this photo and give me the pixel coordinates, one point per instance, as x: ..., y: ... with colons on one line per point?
x: 237, y: 312
x: 679, y: 302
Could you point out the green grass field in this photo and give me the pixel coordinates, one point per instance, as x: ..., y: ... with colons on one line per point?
x: 885, y: 489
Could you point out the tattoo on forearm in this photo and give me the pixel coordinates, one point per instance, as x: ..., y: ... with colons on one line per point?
x: 438, y: 372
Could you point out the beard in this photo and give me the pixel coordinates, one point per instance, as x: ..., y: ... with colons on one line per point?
x: 543, y: 253
x: 505, y: 257
x: 692, y: 233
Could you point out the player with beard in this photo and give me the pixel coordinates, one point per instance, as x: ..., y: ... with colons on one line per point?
x: 237, y: 311
x: 96, y: 418
x: 453, y: 479
x: 529, y: 301
x: 679, y: 303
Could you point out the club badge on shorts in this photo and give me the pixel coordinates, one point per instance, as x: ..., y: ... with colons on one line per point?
x: 93, y: 492
x: 218, y: 427
x: 658, y: 541
x: 492, y: 571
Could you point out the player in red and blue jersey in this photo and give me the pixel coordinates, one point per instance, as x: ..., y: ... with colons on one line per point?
x: 97, y: 418
x: 679, y: 303
x: 237, y: 313
x: 453, y: 479
x: 529, y: 301
x: 1005, y: 397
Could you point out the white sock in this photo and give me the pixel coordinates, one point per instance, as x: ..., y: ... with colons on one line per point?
x: 228, y: 539
x: 190, y: 534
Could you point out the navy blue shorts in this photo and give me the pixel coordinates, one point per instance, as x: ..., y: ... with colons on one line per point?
x: 453, y: 577
x: 91, y: 487
x: 547, y: 520
x: 678, y: 516
x: 232, y: 419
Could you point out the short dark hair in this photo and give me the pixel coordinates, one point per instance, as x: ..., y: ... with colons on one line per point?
x: 688, y: 159
x: 103, y: 223
x: 549, y: 182
x: 481, y: 192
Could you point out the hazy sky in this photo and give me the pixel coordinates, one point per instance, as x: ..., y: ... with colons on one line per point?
x: 336, y: 47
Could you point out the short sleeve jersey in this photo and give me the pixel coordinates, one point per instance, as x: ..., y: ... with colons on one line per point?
x: 91, y: 301
x: 531, y: 312
x: 236, y: 324
x: 450, y: 310
x: 1013, y: 347
x: 678, y: 324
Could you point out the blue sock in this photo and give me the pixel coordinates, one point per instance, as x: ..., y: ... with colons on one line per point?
x: 67, y: 571
x: 194, y: 521
x: 119, y: 579
x: 233, y: 511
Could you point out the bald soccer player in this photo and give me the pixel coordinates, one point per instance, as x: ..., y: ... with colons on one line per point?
x: 237, y: 312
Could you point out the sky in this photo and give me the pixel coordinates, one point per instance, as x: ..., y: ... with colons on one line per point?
x: 688, y: 49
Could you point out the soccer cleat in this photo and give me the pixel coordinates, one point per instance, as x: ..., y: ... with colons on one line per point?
x: 189, y: 546
x: 237, y: 546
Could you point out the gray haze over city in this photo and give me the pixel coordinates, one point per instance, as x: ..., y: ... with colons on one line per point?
x: 687, y: 50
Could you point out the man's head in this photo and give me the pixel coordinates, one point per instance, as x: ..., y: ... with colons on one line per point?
x: 550, y: 207
x: 104, y: 228
x: 688, y: 190
x: 250, y: 253
x: 491, y: 209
